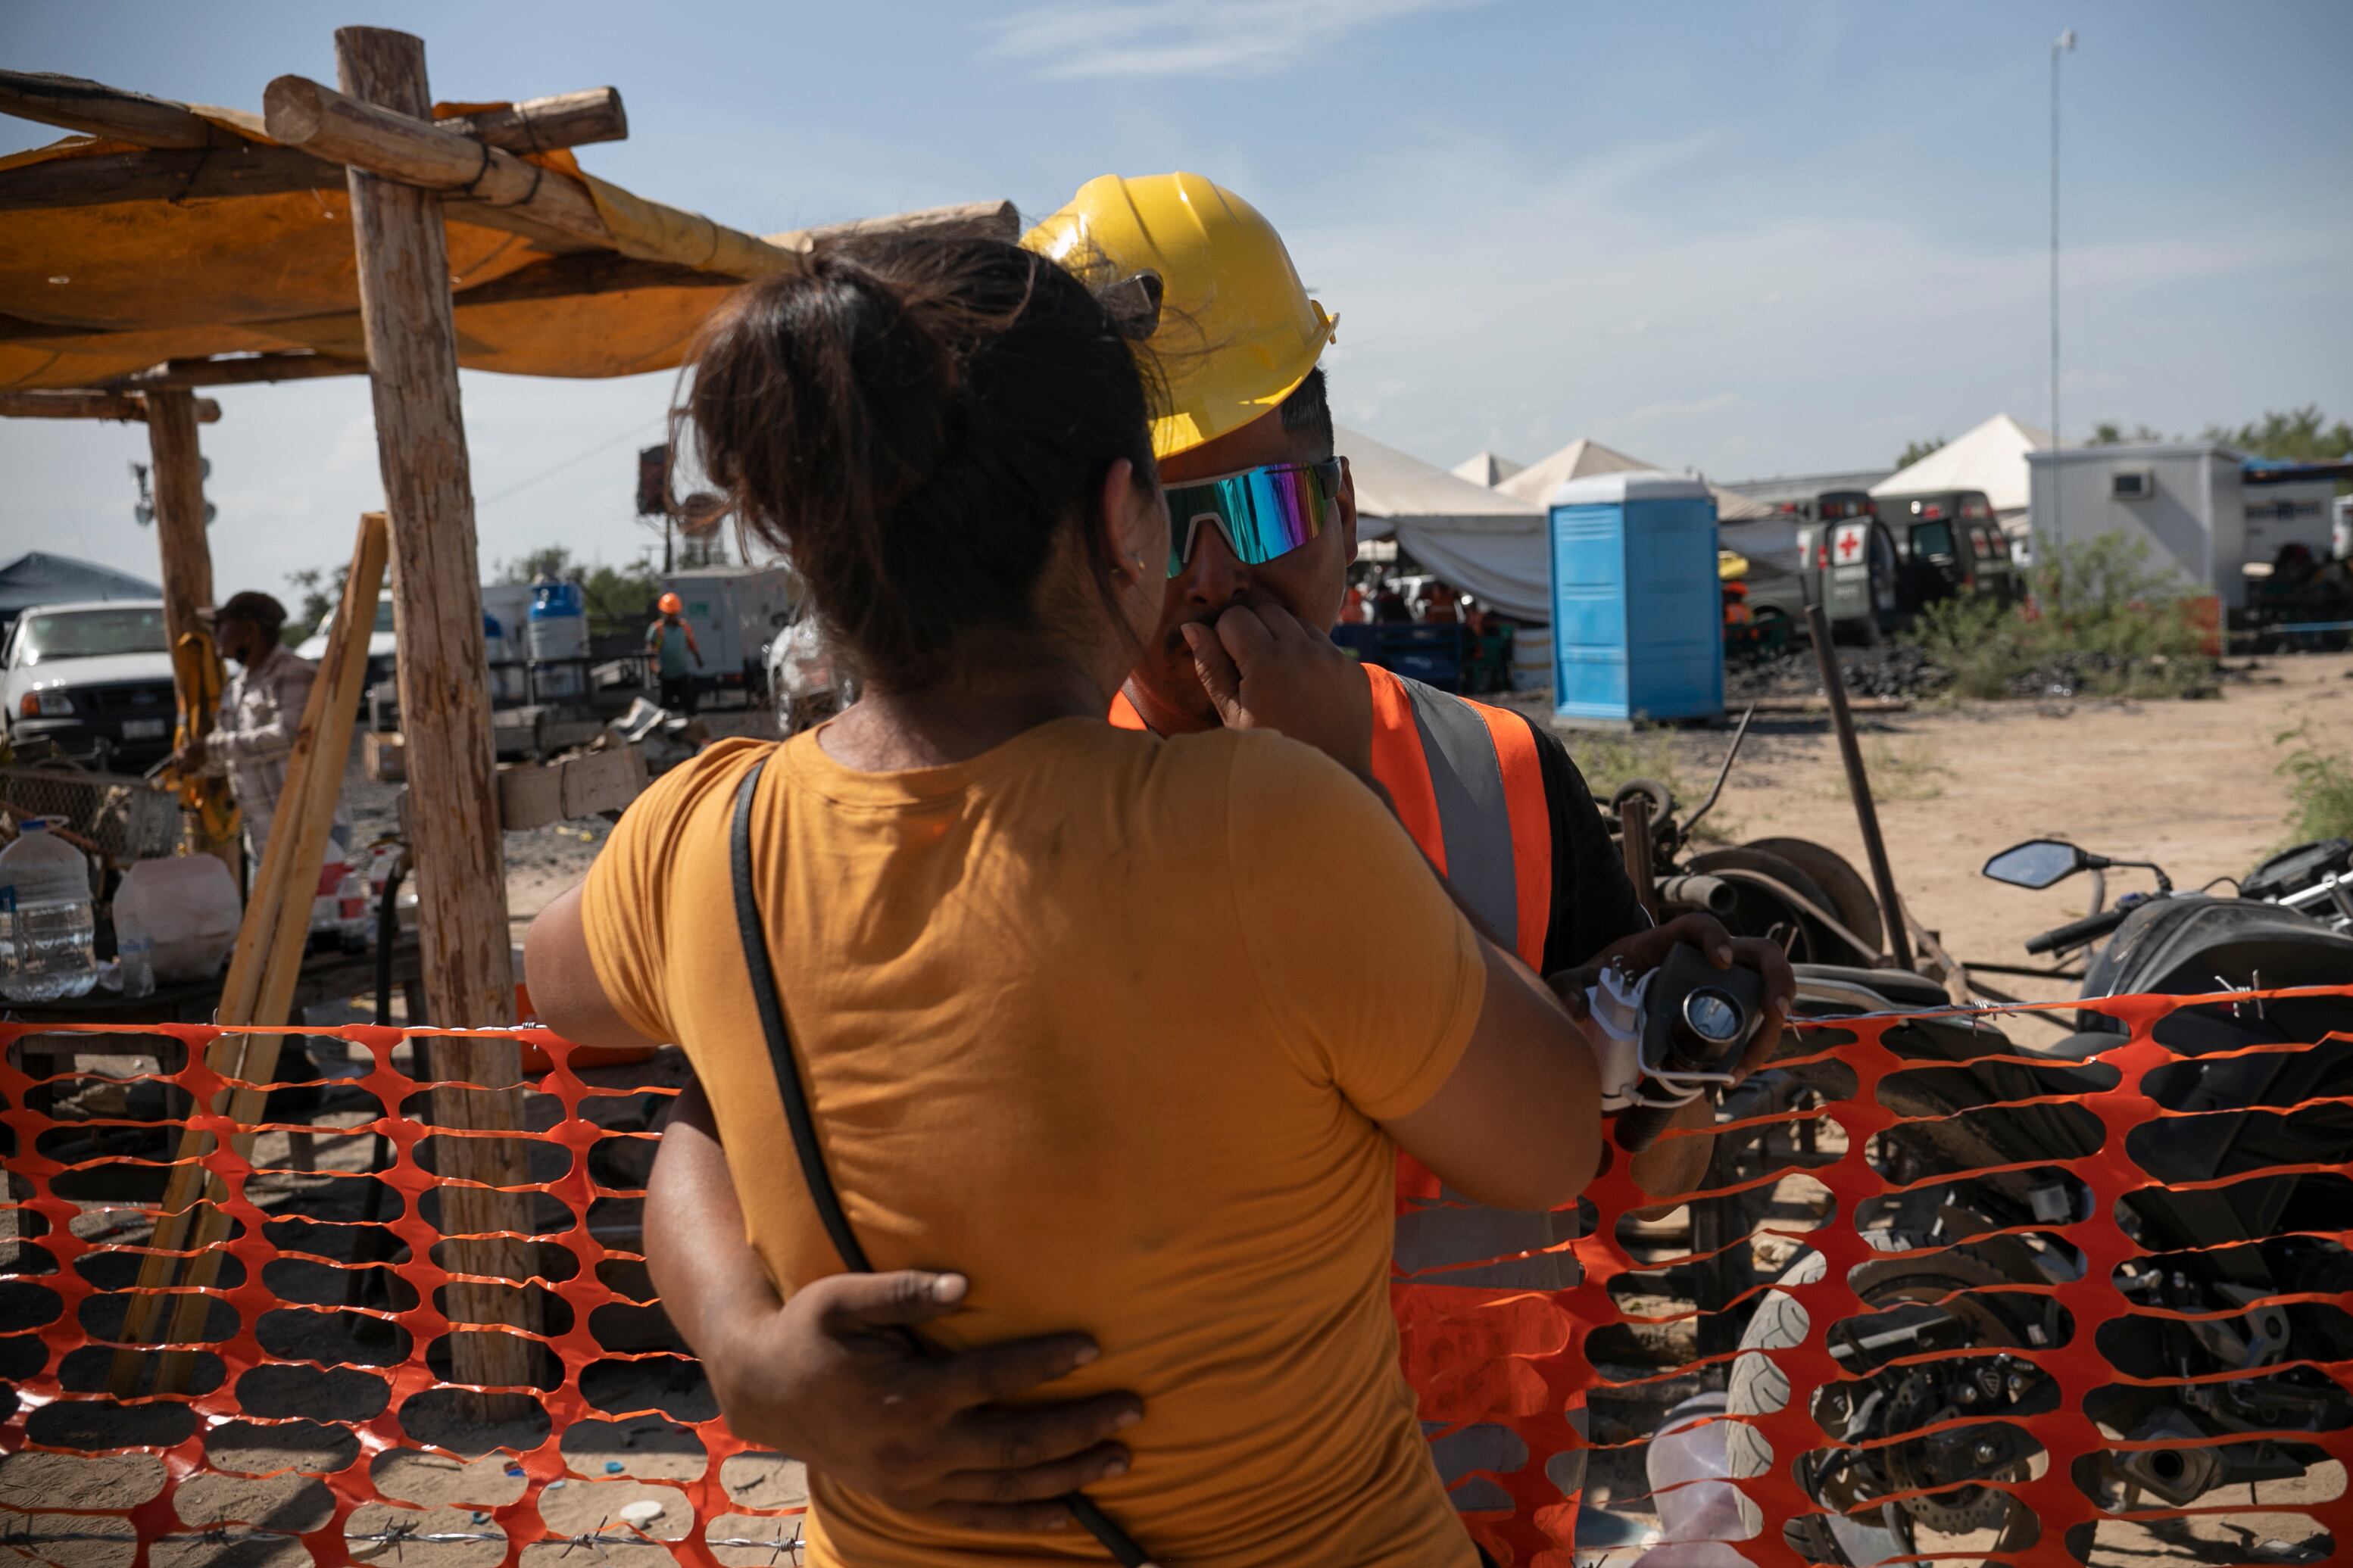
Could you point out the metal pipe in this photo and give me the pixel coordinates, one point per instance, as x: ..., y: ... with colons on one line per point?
x: 1722, y: 773
x: 1858, y: 784
x: 1634, y: 840
x: 1713, y: 894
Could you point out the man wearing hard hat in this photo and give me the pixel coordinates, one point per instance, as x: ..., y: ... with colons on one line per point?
x: 1262, y: 529
x: 668, y: 643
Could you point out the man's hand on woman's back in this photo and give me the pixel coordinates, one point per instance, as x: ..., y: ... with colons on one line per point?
x: 831, y: 1377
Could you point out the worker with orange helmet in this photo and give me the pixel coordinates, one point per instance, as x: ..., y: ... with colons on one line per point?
x: 1263, y: 530
x: 670, y: 642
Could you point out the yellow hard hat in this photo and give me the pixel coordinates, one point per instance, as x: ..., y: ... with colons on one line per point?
x: 1236, y: 332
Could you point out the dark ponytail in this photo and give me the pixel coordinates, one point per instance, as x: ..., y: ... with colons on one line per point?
x: 913, y: 423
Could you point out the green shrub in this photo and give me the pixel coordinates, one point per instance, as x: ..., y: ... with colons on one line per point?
x: 2103, y: 622
x: 2320, y: 784
x: 1610, y: 758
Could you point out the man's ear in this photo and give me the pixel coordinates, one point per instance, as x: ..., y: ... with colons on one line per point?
x: 1122, y: 513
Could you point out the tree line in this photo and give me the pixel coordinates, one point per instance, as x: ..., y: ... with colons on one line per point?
x: 2295, y: 436
x: 614, y: 595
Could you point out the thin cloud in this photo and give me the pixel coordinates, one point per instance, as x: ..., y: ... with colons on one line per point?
x: 1187, y: 37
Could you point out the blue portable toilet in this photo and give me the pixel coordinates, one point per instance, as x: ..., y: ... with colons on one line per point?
x: 1638, y: 610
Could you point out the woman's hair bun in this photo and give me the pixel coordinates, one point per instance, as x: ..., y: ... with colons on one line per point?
x: 914, y: 422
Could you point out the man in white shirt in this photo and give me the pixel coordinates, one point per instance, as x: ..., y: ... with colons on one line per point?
x: 260, y: 712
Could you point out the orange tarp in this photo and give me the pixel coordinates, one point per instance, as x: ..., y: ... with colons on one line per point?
x: 137, y: 282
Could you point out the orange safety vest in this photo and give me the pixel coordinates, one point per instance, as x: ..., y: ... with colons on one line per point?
x: 1480, y: 816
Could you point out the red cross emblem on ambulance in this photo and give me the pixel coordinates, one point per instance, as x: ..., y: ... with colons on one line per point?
x: 1848, y: 544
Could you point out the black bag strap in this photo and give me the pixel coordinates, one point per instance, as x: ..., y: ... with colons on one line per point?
x: 780, y: 1043
x: 763, y: 970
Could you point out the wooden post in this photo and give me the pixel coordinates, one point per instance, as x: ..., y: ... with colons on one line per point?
x: 444, y: 710
x: 177, y: 472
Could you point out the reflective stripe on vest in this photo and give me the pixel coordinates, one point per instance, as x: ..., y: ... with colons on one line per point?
x: 1469, y: 787
x: 1477, y: 795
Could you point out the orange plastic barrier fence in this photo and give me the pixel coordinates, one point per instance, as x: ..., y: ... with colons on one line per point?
x: 1522, y: 1360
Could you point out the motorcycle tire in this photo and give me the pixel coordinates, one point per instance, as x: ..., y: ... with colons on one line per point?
x: 1850, y: 897
x: 1759, y: 1387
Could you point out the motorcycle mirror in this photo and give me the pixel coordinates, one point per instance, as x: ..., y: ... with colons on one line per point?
x: 2037, y: 863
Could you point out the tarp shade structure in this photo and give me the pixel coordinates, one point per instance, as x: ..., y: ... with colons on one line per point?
x: 1989, y: 458
x: 1494, y: 551
x: 253, y: 252
x: 1487, y: 469
x: 1582, y: 458
x: 36, y: 578
x: 1483, y: 542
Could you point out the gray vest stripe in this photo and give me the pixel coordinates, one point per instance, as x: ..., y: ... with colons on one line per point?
x: 1468, y: 781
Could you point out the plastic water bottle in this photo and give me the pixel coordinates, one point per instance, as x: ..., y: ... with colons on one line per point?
x: 557, y: 629
x: 134, y: 953
x: 48, y: 924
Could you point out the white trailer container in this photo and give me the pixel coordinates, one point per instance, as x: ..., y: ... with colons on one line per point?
x: 2186, y: 502
x: 735, y: 611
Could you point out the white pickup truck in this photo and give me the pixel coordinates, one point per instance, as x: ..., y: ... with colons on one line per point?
x: 95, y: 678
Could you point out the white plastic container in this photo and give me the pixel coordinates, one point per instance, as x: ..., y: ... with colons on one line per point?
x: 1689, y: 1474
x: 557, y: 628
x: 188, y: 906
x: 49, y: 922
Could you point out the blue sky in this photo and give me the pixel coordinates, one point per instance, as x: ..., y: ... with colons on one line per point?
x: 1749, y: 238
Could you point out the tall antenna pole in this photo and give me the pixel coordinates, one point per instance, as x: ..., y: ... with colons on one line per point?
x: 2063, y: 44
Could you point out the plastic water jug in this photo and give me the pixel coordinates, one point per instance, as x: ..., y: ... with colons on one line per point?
x: 188, y: 906
x: 48, y: 921
x: 506, y: 654
x: 1699, y: 1507
x: 558, y: 629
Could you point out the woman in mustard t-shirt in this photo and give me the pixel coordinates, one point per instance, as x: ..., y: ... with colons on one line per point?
x: 1126, y: 1030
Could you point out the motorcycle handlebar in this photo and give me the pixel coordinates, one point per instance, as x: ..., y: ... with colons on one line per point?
x: 2091, y: 928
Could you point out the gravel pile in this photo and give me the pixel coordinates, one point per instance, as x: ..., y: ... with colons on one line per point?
x: 1890, y: 669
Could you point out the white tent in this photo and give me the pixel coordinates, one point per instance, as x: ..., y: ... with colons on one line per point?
x: 1486, y: 469
x: 1582, y: 458
x: 1482, y: 541
x: 1991, y: 458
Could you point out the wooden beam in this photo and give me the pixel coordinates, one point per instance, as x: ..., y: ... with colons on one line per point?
x: 609, y: 272
x: 414, y: 151
x: 92, y: 405
x: 444, y: 674
x: 410, y: 149
x: 233, y: 167
x: 544, y: 124
x: 239, y: 169
x: 244, y: 370
x: 79, y: 104
x: 986, y: 220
